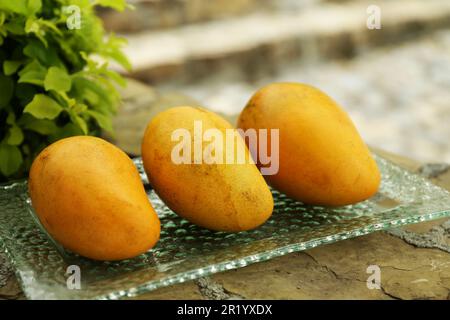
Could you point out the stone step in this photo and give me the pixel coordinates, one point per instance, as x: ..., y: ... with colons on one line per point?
x: 160, y: 14
x: 258, y: 43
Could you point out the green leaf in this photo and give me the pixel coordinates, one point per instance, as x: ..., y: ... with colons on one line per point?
x: 118, y: 5
x: 11, y: 66
x: 78, y: 121
x: 68, y: 130
x: 16, y: 6
x: 7, y: 90
x: 44, y: 127
x: 50, y: 83
x: 2, y: 55
x: 25, y: 93
x: 2, y: 17
x: 15, y: 136
x: 114, y: 76
x: 47, y: 56
x: 16, y: 26
x: 34, y: 6
x: 57, y: 79
x: 79, y: 108
x: 96, y: 96
x: 50, y: 25
x: 43, y: 107
x: 32, y: 26
x: 10, y: 159
x: 81, y: 123
x: 113, y: 50
x: 33, y: 73
x: 103, y: 121
x: 41, y: 126
x: 11, y: 118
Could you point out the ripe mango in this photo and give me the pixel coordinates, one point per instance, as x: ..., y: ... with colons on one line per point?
x: 224, y: 196
x: 89, y: 196
x: 322, y: 158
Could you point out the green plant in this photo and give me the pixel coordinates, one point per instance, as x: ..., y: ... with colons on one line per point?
x: 54, y: 80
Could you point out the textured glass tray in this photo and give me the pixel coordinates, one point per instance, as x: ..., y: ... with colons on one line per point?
x: 187, y: 252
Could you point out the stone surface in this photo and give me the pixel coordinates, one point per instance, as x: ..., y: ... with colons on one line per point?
x: 5, y: 270
x: 9, y: 287
x: 210, y: 289
x: 296, y: 276
x: 160, y: 14
x: 437, y: 237
x: 434, y: 170
x: 186, y: 291
x: 339, y: 271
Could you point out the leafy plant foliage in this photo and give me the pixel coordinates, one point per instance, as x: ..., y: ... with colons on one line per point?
x: 54, y: 80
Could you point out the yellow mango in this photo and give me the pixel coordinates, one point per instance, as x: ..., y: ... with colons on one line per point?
x: 218, y: 195
x: 89, y: 196
x: 322, y: 158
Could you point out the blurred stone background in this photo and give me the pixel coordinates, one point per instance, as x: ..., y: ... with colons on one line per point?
x: 394, y: 82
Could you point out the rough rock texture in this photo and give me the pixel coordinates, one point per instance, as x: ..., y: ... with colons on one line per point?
x: 434, y: 170
x: 338, y: 271
x: 213, y: 290
x: 5, y: 270
x: 188, y: 290
x: 9, y: 288
x: 438, y: 237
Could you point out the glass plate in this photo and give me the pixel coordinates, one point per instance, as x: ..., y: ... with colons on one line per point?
x: 187, y: 252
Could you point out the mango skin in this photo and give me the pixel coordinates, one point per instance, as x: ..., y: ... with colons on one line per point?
x: 322, y: 158
x: 222, y: 197
x: 88, y: 195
